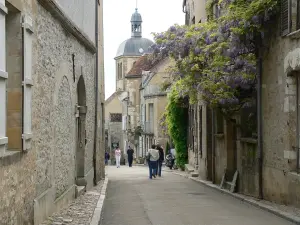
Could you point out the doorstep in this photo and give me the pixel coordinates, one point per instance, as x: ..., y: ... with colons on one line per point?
x: 86, y: 209
x: 287, y: 212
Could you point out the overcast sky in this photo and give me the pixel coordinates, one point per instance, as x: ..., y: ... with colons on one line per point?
x: 157, y: 15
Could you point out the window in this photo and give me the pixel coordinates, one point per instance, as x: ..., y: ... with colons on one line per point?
x: 120, y: 70
x: 116, y: 117
x: 15, y: 79
x: 290, y: 16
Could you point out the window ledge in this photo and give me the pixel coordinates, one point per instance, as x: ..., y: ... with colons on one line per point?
x: 249, y: 140
x: 221, y: 135
x: 294, y: 34
x: 10, y: 157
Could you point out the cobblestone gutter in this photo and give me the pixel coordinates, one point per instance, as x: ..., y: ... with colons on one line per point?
x: 81, y: 211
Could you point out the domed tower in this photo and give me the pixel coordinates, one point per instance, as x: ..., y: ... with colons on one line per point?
x: 130, y: 50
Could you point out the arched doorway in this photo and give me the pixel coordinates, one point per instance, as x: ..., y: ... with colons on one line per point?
x: 81, y: 131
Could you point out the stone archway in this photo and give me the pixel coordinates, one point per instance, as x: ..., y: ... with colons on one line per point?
x: 81, y: 131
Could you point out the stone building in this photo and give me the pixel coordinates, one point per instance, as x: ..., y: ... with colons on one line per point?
x: 51, y: 129
x: 264, y: 149
x: 279, y: 112
x: 127, y: 83
x: 113, y: 123
x: 153, y: 104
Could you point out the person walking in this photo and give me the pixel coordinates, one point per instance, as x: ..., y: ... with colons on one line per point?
x: 107, y: 157
x: 130, y: 152
x: 152, y: 156
x: 118, y: 157
x: 160, y: 160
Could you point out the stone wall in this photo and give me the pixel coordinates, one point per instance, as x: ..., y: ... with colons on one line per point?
x: 17, y: 168
x: 54, y: 124
x: 17, y: 188
x: 280, y: 182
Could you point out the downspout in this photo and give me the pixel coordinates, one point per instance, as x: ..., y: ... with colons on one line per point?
x: 96, y: 95
x: 213, y: 145
x: 259, y: 121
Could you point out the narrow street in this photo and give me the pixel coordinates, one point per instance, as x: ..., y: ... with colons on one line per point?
x: 133, y: 199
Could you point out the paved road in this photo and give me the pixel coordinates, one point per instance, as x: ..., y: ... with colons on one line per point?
x: 132, y: 199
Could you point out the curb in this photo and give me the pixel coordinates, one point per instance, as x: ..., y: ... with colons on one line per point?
x: 284, y: 215
x: 98, y: 210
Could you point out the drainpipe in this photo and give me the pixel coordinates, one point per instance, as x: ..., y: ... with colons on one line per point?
x: 96, y: 95
x: 213, y: 145
x: 259, y: 121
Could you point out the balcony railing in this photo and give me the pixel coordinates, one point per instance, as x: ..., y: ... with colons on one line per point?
x: 148, y: 127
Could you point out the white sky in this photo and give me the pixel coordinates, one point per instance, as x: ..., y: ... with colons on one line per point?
x: 157, y: 15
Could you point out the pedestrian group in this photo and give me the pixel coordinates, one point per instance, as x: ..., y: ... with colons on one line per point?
x: 154, y: 157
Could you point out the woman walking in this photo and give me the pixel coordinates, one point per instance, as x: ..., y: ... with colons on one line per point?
x: 152, y: 157
x: 160, y: 160
x: 118, y: 157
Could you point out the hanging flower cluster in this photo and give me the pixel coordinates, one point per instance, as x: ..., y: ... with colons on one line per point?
x: 217, y: 59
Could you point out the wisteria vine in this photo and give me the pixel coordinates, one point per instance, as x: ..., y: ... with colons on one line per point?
x: 217, y: 59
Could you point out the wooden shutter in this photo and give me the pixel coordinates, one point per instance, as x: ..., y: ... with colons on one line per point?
x: 285, y: 16
x: 27, y: 80
x: 3, y: 77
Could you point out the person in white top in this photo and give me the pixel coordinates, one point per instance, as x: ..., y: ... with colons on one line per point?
x: 118, y: 157
x: 152, y: 157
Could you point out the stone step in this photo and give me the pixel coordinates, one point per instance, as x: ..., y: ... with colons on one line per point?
x: 194, y: 174
x: 80, y: 190
x: 189, y: 168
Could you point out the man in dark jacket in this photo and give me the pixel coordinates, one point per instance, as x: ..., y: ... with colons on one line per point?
x: 130, y: 156
x: 160, y: 160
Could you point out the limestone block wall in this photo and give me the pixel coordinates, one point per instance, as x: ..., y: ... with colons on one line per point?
x: 280, y: 180
x: 17, y: 168
x: 132, y: 87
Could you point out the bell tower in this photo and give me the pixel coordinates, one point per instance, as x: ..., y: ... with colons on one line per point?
x: 136, y: 24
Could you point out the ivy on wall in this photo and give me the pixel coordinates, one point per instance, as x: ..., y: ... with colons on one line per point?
x: 176, y: 115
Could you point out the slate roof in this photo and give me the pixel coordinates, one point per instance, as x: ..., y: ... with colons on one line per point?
x: 134, y: 46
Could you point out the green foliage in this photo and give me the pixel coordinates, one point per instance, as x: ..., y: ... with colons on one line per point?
x: 176, y: 120
x: 216, y: 60
x: 167, y: 148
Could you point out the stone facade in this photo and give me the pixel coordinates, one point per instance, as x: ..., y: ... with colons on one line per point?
x: 279, y: 109
x: 113, y: 128
x: 195, y: 11
x: 40, y: 173
x: 229, y: 149
x: 153, y: 104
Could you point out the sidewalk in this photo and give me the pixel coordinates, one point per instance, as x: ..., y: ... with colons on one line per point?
x: 287, y: 212
x: 81, y: 211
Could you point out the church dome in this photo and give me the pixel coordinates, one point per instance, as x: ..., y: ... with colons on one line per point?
x: 134, y: 46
